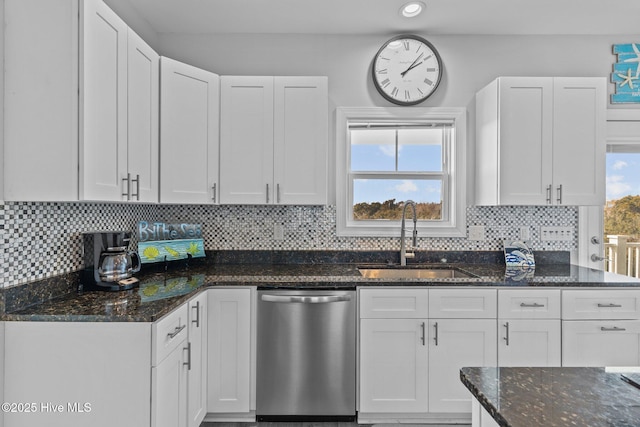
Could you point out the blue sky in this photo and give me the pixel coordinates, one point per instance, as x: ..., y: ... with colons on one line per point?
x: 623, y: 175
x: 418, y: 151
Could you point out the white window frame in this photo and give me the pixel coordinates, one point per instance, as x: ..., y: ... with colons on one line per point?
x: 453, y: 223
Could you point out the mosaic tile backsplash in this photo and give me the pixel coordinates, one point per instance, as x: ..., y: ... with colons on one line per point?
x: 40, y: 240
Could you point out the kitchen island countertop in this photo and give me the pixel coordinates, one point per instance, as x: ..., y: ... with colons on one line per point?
x: 161, y: 292
x: 555, y: 397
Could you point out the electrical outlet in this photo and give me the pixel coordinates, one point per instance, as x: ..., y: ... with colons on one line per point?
x: 556, y: 234
x: 278, y: 232
x: 525, y: 233
x: 476, y: 232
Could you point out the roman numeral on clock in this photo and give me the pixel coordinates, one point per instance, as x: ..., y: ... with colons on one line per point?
x: 385, y: 83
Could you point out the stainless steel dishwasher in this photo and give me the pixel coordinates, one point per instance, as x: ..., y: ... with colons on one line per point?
x: 306, y: 367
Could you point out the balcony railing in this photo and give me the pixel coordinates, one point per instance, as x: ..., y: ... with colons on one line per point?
x: 621, y: 256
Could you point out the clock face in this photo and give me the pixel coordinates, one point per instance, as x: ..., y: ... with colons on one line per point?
x: 407, y: 70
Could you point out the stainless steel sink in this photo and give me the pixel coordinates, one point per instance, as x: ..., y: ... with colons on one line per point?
x: 414, y: 273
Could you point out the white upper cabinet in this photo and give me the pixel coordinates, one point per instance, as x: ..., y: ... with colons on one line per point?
x: 189, y: 117
x: 540, y: 141
x: 142, y: 119
x: 103, y: 103
x: 300, y: 140
x: 41, y: 100
x: 273, y: 140
x: 85, y: 89
x: 246, y: 140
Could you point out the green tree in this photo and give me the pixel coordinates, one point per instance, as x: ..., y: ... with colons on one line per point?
x: 623, y: 217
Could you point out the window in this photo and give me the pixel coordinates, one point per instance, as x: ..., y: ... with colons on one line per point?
x: 386, y: 156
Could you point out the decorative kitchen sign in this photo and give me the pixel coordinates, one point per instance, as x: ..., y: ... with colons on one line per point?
x: 626, y: 73
x: 159, y: 241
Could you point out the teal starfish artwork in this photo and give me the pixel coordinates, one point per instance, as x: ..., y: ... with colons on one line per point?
x: 626, y: 72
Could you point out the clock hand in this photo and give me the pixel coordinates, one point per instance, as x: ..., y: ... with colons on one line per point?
x: 412, y: 65
x: 410, y: 68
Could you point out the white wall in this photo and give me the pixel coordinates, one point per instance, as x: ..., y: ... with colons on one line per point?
x: 470, y: 62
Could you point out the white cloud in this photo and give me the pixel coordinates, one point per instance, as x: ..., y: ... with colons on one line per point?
x: 388, y: 150
x: 620, y: 164
x: 616, y: 187
x: 407, y: 187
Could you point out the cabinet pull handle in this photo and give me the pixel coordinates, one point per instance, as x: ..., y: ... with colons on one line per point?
x: 559, y: 198
x: 613, y: 329
x: 423, y: 326
x: 267, y: 193
x: 506, y: 337
x: 188, y: 362
x: 197, y: 307
x: 278, y: 193
x: 435, y: 337
x: 549, y: 194
x: 534, y: 305
x: 137, y: 181
x: 128, y: 180
x: 214, y: 192
x: 176, y: 331
x: 609, y: 305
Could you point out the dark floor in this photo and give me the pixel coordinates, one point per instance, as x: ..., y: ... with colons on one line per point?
x: 323, y: 424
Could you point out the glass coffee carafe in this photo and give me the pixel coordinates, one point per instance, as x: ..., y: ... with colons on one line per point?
x: 117, y: 264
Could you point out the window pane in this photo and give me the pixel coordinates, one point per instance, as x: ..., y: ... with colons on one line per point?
x: 382, y: 198
x: 373, y: 149
x: 420, y: 150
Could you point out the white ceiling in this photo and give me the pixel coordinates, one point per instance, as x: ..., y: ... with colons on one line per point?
x: 483, y: 17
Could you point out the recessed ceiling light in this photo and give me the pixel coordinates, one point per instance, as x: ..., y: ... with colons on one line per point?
x: 412, y: 9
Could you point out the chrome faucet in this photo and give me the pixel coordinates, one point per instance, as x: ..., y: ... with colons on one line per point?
x: 403, y: 250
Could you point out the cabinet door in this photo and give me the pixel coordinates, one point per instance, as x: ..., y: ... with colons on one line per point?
x: 169, y: 398
x: 529, y: 342
x: 601, y: 343
x: 229, y: 352
x: 393, y: 366
x: 246, y: 140
x: 579, y: 122
x: 142, y: 123
x: 453, y: 344
x: 197, y: 373
x: 525, y: 151
x: 40, y: 100
x: 188, y: 133
x: 300, y: 140
x: 103, y: 103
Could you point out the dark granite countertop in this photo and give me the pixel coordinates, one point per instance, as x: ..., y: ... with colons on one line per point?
x: 555, y: 397
x: 162, y: 291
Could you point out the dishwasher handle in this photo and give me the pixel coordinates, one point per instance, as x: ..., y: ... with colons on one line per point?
x: 322, y: 299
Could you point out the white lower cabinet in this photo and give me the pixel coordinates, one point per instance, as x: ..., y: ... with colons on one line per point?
x: 525, y: 342
x: 231, y: 353
x: 77, y: 374
x: 393, y: 366
x: 529, y: 327
x: 169, y: 396
x: 601, y: 343
x: 197, y: 361
x: 454, y: 344
x: 410, y: 362
x: 601, y: 327
x: 170, y: 367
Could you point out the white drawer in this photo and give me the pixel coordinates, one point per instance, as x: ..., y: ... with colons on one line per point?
x: 406, y: 303
x: 463, y: 303
x: 601, y: 304
x: 168, y: 333
x: 529, y: 303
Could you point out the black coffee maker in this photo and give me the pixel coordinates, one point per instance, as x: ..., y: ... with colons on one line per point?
x: 108, y: 263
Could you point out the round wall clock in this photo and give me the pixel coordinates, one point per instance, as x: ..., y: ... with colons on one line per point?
x: 407, y: 70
